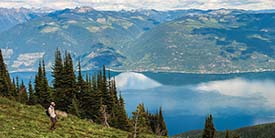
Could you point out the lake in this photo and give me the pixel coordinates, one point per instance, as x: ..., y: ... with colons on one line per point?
x: 235, y: 100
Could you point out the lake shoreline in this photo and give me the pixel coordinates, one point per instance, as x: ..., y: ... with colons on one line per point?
x: 198, y: 73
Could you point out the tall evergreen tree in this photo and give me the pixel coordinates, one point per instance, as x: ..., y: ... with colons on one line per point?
x: 97, y: 95
x: 38, y: 83
x: 32, y: 97
x: 58, y: 82
x: 64, y: 82
x: 106, y: 94
x: 41, y: 86
x: 161, y: 124
x: 69, y: 81
x: 5, y: 81
x: 122, y: 117
x: 14, y: 92
x: 84, y: 96
x: 87, y: 108
x: 113, y: 91
x: 209, y: 129
x: 80, y: 81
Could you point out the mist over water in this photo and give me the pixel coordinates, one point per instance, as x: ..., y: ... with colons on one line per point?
x: 137, y: 81
x: 234, y: 102
x: 240, y: 87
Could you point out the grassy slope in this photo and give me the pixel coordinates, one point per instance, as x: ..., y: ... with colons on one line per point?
x: 258, y: 131
x: 18, y: 121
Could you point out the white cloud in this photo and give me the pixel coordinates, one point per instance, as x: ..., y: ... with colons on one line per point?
x: 142, y: 4
x: 7, y: 53
x: 242, y: 88
x: 27, y: 59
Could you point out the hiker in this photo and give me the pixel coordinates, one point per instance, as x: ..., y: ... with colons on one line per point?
x: 52, y: 115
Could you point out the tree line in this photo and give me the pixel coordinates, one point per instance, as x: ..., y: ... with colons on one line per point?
x: 95, y: 98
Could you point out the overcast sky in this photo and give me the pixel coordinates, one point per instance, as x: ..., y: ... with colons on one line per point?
x: 142, y: 4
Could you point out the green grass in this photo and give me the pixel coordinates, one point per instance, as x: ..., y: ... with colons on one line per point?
x: 23, y: 121
x: 258, y: 131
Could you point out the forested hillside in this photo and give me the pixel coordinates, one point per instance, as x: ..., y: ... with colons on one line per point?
x: 94, y: 98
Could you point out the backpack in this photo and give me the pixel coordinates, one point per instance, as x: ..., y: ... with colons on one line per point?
x: 47, y: 113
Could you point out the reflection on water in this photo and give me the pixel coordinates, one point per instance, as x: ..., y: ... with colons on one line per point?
x: 234, y: 102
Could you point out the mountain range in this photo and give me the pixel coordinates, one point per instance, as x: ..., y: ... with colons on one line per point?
x: 197, y: 41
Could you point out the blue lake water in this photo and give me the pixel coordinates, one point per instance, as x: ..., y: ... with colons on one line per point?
x: 235, y: 100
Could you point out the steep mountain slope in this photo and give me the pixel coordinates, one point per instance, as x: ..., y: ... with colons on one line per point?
x: 94, y: 37
x: 18, y: 120
x: 216, y: 41
x: 258, y: 131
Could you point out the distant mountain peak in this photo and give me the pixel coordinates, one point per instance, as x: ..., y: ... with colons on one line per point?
x: 83, y: 9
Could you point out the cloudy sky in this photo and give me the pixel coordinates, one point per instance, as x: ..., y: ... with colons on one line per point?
x: 142, y: 4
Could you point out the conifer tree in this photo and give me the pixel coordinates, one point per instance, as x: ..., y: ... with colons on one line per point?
x: 140, y: 121
x: 106, y: 94
x: 113, y: 91
x: 86, y: 105
x: 69, y: 85
x: 122, y: 117
x: 46, y: 91
x: 22, y: 93
x: 97, y: 96
x: 32, y: 97
x: 161, y: 123
x: 81, y: 91
x: 14, y: 93
x: 41, y: 86
x: 81, y: 86
x: 17, y: 86
x: 74, y: 107
x: 38, y: 83
x: 154, y: 122
x: 209, y: 129
x: 58, y: 81
x: 5, y: 81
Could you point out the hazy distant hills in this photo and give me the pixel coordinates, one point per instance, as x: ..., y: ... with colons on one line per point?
x: 11, y: 17
x: 186, y: 40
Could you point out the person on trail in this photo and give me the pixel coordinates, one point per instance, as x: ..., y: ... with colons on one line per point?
x: 52, y: 114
